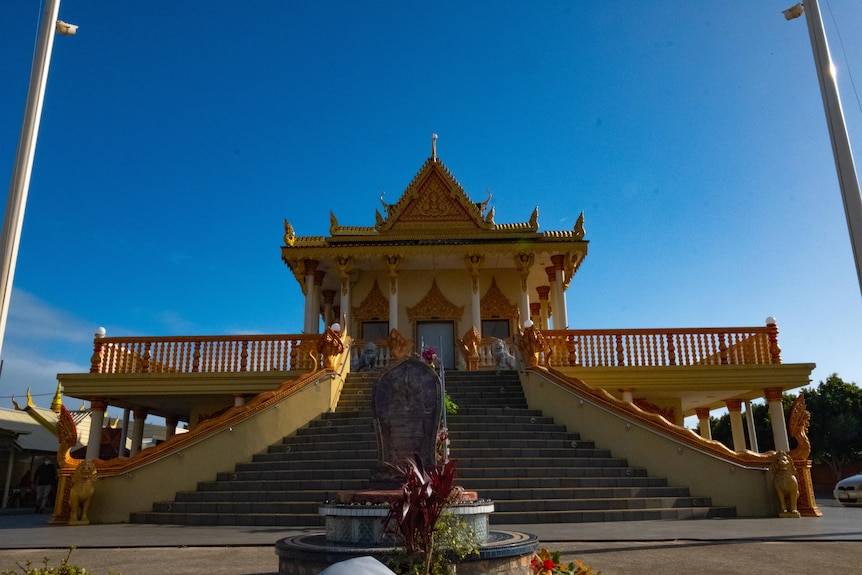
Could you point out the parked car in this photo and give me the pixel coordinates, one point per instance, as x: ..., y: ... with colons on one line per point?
x: 848, y: 491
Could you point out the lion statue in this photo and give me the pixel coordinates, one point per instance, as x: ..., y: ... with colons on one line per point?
x: 502, y: 358
x: 367, y: 359
x: 786, y: 485
x: 81, y: 492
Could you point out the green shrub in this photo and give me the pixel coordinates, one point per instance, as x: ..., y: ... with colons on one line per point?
x: 63, y: 569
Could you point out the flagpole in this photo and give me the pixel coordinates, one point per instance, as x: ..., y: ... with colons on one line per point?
x: 848, y: 180
x: 13, y: 220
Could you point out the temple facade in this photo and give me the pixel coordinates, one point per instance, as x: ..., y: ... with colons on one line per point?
x: 435, y: 270
x: 434, y: 266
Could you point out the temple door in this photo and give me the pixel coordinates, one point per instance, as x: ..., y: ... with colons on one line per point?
x: 441, y: 336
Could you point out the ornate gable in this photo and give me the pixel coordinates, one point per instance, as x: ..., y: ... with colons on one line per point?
x: 432, y: 198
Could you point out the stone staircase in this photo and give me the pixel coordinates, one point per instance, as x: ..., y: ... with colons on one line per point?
x: 534, y: 470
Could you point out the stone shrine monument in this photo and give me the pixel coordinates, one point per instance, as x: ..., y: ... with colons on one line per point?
x: 406, y: 404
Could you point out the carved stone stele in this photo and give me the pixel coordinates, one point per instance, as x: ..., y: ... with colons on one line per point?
x: 405, y: 402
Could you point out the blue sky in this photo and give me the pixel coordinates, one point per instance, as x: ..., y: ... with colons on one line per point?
x: 177, y: 136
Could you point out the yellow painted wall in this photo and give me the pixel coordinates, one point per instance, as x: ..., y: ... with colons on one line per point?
x: 749, y: 489
x: 138, y: 487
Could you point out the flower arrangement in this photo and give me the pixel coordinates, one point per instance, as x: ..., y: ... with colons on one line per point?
x: 442, y: 450
x: 547, y: 563
x: 429, y: 354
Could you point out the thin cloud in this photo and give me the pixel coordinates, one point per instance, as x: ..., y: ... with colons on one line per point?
x: 30, y: 318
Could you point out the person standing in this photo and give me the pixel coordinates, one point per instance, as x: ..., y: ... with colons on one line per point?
x: 44, y: 478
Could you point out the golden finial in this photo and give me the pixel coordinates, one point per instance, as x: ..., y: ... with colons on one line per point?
x: 30, y: 399
x: 489, y: 219
x: 333, y: 223
x: 57, y: 402
x: 289, y: 234
x: 579, y: 227
x: 534, y: 219
x: 15, y: 403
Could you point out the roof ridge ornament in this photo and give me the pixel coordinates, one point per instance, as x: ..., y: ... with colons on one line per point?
x: 434, y: 147
x: 387, y: 207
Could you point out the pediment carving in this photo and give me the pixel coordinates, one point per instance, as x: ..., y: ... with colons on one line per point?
x: 374, y: 306
x: 494, y: 304
x: 435, y: 305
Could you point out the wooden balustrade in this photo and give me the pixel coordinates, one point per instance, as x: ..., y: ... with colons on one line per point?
x: 662, y: 347
x: 203, y: 354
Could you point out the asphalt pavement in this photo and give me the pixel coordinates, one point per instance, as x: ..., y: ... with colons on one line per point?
x: 825, y: 545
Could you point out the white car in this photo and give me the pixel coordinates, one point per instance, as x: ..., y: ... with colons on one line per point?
x: 849, y: 491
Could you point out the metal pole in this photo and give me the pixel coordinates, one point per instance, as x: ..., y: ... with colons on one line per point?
x: 443, y: 390
x: 847, y: 178
x: 20, y: 185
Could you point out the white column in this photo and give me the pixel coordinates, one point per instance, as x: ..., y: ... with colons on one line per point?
x: 309, y: 324
x: 776, y: 414
x: 124, y: 434
x: 328, y: 301
x: 345, y: 305
x: 138, y: 430
x: 749, y: 420
x: 318, y: 299
x: 523, y: 263
x: 392, y: 262
x: 734, y: 407
x: 476, y: 304
x: 551, y: 272
x: 97, y: 420
x: 393, y: 304
x: 171, y: 426
x: 703, y: 422
x: 561, y: 320
x: 524, y: 307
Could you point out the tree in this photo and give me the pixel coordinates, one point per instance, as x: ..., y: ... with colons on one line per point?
x: 836, y: 423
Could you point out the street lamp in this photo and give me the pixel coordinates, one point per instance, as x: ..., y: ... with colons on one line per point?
x: 846, y: 168
x: 13, y: 220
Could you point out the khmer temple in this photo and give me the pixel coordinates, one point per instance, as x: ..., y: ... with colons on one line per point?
x: 596, y: 412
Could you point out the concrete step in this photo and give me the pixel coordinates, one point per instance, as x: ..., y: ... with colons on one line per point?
x: 533, y: 469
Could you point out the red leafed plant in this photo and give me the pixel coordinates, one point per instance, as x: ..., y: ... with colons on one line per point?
x: 426, y: 493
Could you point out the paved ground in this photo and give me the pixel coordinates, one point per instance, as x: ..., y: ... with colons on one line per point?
x: 825, y: 545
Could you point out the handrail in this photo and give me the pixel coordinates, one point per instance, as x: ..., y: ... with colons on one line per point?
x: 203, y: 354
x: 663, y: 347
x: 208, y: 428
x: 655, y: 422
x: 565, y: 348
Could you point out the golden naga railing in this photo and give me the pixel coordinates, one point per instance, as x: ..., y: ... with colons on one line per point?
x: 663, y: 347
x: 203, y: 354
